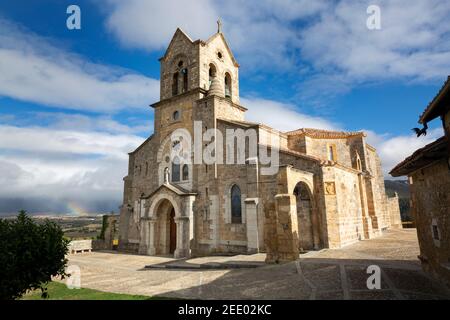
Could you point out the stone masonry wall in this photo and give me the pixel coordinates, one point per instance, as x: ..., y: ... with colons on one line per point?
x: 430, y: 199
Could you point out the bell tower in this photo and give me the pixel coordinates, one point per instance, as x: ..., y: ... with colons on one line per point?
x: 189, y: 65
x: 217, y: 63
x: 190, y: 71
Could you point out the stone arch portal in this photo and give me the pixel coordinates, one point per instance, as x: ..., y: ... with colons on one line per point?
x: 308, y: 228
x: 165, y: 229
x: 167, y: 224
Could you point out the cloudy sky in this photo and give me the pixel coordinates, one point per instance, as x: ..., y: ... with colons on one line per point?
x: 73, y: 103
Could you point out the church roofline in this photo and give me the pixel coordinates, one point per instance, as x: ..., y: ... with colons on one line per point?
x: 247, y: 124
x: 141, y: 145
x: 299, y: 154
x: 325, y: 134
x: 244, y: 124
x: 176, y: 189
x: 202, y: 42
x: 180, y: 31
x: 217, y: 34
x: 370, y: 147
x: 320, y: 161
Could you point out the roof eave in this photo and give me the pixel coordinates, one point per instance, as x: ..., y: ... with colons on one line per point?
x: 431, y: 112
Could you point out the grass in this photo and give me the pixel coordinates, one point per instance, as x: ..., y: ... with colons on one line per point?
x: 59, y: 291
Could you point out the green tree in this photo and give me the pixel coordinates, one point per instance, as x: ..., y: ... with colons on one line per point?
x: 30, y: 255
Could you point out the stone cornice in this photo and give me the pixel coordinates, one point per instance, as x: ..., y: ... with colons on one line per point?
x: 228, y: 100
x: 178, y: 96
x: 325, y: 134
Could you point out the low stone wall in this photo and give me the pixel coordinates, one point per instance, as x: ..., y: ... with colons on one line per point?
x: 80, y: 246
x: 100, y: 244
x: 393, y: 208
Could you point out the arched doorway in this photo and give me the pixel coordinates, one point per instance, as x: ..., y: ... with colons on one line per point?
x: 166, y: 229
x: 308, y: 232
x: 172, y: 232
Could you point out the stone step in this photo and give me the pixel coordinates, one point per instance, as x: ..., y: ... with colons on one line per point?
x: 209, y: 265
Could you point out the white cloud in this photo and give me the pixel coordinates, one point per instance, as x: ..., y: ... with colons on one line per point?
x: 33, y: 69
x: 81, y: 122
x: 329, y: 40
x: 282, y: 116
x: 151, y: 24
x: 50, y: 168
x: 412, y: 45
x: 37, y: 139
x: 260, y: 32
x: 394, y: 149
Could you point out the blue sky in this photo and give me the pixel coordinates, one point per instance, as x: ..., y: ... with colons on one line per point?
x: 74, y: 102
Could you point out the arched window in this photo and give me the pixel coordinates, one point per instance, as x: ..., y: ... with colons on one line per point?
x: 175, y: 84
x: 331, y: 152
x: 212, y: 72
x: 146, y: 168
x: 175, y: 170
x: 185, y: 79
x: 236, y: 205
x: 185, y: 172
x: 176, y: 115
x: 227, y: 85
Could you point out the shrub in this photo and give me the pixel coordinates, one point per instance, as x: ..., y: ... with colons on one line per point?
x: 30, y: 255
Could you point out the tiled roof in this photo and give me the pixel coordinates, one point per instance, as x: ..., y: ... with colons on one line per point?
x: 324, y: 134
x: 426, y: 115
x: 421, y: 157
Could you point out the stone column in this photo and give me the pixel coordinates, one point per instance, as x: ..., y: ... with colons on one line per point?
x: 366, y: 220
x: 286, y: 228
x: 151, y: 251
x: 372, y: 206
x: 143, y: 243
x: 315, y: 224
x: 182, y: 248
x: 251, y: 214
x: 191, y: 238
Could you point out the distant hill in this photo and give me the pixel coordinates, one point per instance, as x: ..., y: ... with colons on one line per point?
x: 399, y: 186
x: 402, y: 189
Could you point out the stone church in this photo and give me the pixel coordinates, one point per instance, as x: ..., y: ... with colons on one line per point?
x: 327, y: 190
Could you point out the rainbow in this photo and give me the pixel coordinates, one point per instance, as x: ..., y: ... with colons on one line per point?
x: 75, y: 209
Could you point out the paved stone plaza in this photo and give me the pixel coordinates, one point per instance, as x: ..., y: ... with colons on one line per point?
x: 326, y: 274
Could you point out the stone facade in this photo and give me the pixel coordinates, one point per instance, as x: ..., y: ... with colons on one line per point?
x: 327, y: 190
x: 428, y: 170
x: 430, y: 202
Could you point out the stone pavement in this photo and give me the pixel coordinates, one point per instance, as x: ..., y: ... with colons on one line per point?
x: 325, y: 274
x: 215, y: 262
